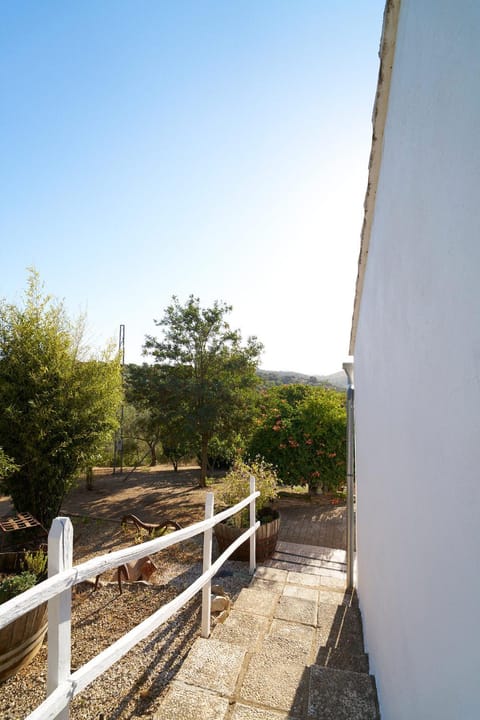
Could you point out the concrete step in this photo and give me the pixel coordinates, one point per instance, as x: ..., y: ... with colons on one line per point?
x: 291, y: 649
x: 311, y: 559
x: 264, y: 688
x: 342, y: 660
x: 341, y: 695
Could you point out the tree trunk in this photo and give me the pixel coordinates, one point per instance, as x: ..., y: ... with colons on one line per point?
x: 89, y: 478
x: 203, y: 471
x: 153, y: 454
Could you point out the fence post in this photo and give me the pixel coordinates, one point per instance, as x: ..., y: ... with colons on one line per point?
x: 207, y: 563
x: 60, y: 555
x: 253, y: 551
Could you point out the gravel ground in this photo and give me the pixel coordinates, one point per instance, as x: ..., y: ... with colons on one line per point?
x: 135, y: 685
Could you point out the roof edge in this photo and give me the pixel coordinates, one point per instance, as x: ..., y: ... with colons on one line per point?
x: 379, y: 115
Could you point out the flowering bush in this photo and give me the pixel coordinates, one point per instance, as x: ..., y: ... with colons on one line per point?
x: 302, y: 431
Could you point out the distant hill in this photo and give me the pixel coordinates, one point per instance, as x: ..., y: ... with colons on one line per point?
x: 337, y: 380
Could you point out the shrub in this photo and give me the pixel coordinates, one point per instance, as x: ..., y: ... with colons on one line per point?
x: 236, y: 487
x: 15, y: 584
x: 7, y: 466
x: 302, y: 431
x: 36, y: 562
x: 58, y: 405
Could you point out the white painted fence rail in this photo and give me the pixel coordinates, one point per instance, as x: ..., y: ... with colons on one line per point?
x: 62, y: 685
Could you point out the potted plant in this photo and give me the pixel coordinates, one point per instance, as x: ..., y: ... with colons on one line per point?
x: 236, y: 487
x: 21, y: 640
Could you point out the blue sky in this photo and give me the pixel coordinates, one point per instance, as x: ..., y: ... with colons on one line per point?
x: 219, y: 148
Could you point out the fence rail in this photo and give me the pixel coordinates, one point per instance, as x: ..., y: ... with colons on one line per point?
x: 62, y: 685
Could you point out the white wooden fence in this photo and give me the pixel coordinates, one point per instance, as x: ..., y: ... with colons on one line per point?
x: 62, y: 685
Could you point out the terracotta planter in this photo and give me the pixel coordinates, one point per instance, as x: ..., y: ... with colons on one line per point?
x: 266, y: 539
x: 21, y: 640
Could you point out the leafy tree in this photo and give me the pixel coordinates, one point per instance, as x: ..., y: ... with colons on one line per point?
x: 211, y: 378
x: 302, y: 431
x: 222, y: 453
x: 7, y: 466
x: 157, y: 417
x: 58, y: 405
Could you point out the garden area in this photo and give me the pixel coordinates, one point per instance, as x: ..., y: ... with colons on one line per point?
x: 136, y: 684
x: 202, y: 418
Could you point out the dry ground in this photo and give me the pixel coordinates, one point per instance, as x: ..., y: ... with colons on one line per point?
x: 134, y: 686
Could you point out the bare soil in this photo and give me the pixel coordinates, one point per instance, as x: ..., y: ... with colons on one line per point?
x: 135, y: 685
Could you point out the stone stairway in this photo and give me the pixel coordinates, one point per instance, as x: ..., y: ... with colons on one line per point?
x: 291, y: 649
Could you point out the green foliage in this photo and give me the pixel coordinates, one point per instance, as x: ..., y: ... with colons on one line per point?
x: 209, y: 379
x: 337, y: 380
x: 58, y: 405
x: 157, y: 418
x: 302, y: 431
x: 223, y: 452
x: 7, y: 466
x: 36, y: 562
x: 13, y: 585
x: 236, y: 486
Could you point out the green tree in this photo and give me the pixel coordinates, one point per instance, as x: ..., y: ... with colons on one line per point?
x: 210, y: 375
x: 7, y: 466
x: 58, y: 404
x: 302, y: 431
x: 157, y: 417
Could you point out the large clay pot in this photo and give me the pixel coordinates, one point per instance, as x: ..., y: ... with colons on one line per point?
x: 266, y: 538
x: 21, y: 640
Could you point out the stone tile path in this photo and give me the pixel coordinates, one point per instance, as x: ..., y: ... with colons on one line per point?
x: 291, y: 649
x: 312, y: 523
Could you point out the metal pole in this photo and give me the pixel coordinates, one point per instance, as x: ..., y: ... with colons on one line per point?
x: 121, y: 349
x: 348, y: 368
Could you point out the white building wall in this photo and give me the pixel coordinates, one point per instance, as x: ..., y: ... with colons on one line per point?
x: 417, y: 377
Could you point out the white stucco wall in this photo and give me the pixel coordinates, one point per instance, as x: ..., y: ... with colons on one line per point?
x: 417, y: 377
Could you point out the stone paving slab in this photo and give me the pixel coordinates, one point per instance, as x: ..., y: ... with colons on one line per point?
x: 314, y: 576
x: 271, y: 585
x: 341, y: 695
x: 296, y: 609
x: 301, y: 591
x: 278, y: 649
x: 277, y: 684
x: 267, y: 573
x: 296, y: 640
x: 244, y: 712
x: 257, y: 601
x: 184, y: 702
x: 333, y: 597
x: 212, y: 665
x: 305, y: 578
x: 242, y: 629
x: 328, y: 623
